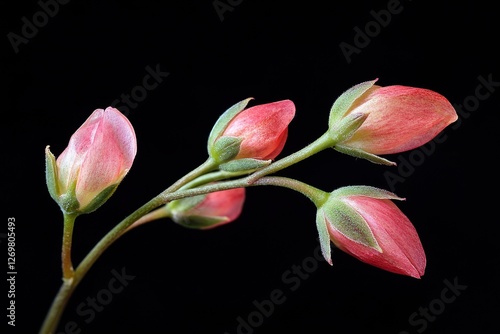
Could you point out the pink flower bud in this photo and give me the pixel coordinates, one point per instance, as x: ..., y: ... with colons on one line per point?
x: 399, y: 118
x: 262, y: 129
x: 370, y: 227
x: 208, y: 211
x: 97, y: 158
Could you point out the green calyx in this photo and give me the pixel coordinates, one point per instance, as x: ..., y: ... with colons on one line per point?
x: 346, y: 127
x: 345, y: 219
x: 199, y: 222
x: 100, y: 199
x: 179, y: 211
x: 67, y: 201
x: 350, y: 223
x: 224, y: 149
x: 179, y: 206
x: 346, y: 100
x: 51, y: 174
x: 357, y: 153
x: 224, y: 120
x: 324, y: 236
x: 367, y: 191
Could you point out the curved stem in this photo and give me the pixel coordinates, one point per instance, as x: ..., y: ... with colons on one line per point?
x: 316, y: 146
x: 67, y: 265
x: 205, y: 167
x: 314, y: 194
x: 161, y: 212
x: 172, y: 193
x: 71, y: 277
x: 68, y: 273
x: 55, y: 312
x: 58, y: 305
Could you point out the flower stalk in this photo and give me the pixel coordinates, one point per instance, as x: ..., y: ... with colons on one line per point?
x: 365, y: 121
x: 320, y: 144
x: 67, y: 265
x: 73, y: 277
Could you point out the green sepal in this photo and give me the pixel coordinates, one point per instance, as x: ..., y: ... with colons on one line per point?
x: 350, y: 223
x: 223, y: 121
x: 225, y: 148
x: 199, y: 222
x: 184, y: 204
x: 179, y: 212
x: 324, y: 236
x: 51, y: 174
x: 346, y: 100
x: 367, y: 191
x: 364, y: 155
x: 100, y: 199
x: 68, y: 202
x: 346, y: 127
x: 244, y: 165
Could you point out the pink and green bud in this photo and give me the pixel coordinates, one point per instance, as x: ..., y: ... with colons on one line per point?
x: 207, y: 211
x: 252, y: 136
x: 365, y: 223
x: 369, y: 120
x: 99, y: 155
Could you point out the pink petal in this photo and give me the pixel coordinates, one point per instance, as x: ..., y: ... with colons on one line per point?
x: 400, y: 118
x: 262, y: 128
x: 394, y: 232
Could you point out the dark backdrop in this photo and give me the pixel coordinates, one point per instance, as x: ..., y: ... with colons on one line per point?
x: 61, y: 60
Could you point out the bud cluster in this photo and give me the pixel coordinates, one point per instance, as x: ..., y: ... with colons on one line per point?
x: 367, y: 121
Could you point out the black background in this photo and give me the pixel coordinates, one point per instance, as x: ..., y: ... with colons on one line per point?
x: 187, y: 281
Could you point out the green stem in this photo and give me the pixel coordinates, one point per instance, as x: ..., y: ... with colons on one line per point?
x: 204, y: 168
x: 161, y: 212
x: 55, y: 312
x: 67, y: 265
x: 71, y: 277
x: 318, y: 145
x: 316, y: 195
x: 212, y: 177
x: 57, y: 307
x: 172, y: 193
x: 68, y: 273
